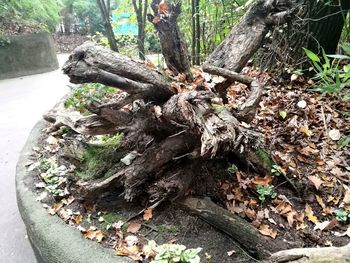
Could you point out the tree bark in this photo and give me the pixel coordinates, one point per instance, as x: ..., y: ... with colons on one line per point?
x: 317, y: 26
x: 173, y: 47
x: 141, y: 11
x: 240, y: 230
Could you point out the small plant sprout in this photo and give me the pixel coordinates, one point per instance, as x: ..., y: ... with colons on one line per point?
x: 342, y: 216
x: 276, y: 170
x: 171, y: 253
x: 265, y: 191
x: 283, y: 114
x: 232, y: 168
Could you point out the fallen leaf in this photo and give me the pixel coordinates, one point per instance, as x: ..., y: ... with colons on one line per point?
x: 78, y: 219
x: 320, y: 202
x: 267, y: 231
x: 326, y: 225
x: 133, y: 227
x: 307, y: 151
x: 147, y: 214
x: 99, y: 236
x: 316, y: 181
x: 305, y: 131
x: 310, y: 214
x: 346, y: 199
x: 230, y: 253
x: 55, y: 207
x: 131, y: 240
x: 262, y: 180
x: 250, y: 213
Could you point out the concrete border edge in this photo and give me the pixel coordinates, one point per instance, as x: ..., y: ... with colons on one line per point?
x: 52, y: 240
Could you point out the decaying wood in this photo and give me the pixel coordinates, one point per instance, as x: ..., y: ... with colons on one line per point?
x: 92, y: 63
x: 240, y: 230
x: 312, y: 255
x: 246, y: 37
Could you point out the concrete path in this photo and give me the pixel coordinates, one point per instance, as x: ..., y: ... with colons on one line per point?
x: 22, y: 103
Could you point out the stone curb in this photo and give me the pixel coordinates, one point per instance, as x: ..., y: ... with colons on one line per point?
x: 52, y: 240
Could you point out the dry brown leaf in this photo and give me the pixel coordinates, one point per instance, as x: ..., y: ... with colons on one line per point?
x: 250, y: 213
x: 346, y: 199
x: 55, y: 207
x: 90, y: 233
x: 64, y: 214
x: 290, y: 218
x: 133, y: 227
x: 147, y: 214
x: 262, y: 180
x: 305, y: 131
x: 78, y: 219
x: 307, y: 151
x: 316, y: 181
x: 267, y: 231
x: 326, y: 225
x: 99, y: 236
x: 310, y: 214
x: 320, y: 202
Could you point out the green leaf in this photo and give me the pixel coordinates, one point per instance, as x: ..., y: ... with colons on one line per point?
x: 343, y: 142
x: 283, y: 114
x: 311, y: 55
x: 341, y: 57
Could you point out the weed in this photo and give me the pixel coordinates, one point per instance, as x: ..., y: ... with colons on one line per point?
x: 265, y: 191
x: 170, y: 253
x: 51, y: 174
x: 331, y: 78
x: 84, y: 93
x: 342, y: 215
x: 276, y: 170
x: 171, y: 229
x: 232, y: 168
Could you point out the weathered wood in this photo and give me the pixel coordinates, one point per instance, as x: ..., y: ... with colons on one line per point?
x: 239, y: 229
x: 312, y: 255
x: 92, y: 63
x: 246, y: 37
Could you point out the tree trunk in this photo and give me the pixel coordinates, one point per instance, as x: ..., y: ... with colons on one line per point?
x: 141, y: 11
x: 107, y: 25
x: 198, y: 34
x: 174, y: 49
x: 318, y: 25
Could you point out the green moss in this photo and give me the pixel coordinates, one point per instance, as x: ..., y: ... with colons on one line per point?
x: 111, y: 218
x: 100, y: 158
x: 265, y: 158
x: 167, y: 229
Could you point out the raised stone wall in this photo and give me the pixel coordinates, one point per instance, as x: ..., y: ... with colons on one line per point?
x: 26, y: 55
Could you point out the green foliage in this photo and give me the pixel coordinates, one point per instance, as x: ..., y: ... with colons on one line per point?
x: 43, y: 14
x: 85, y: 93
x: 265, y: 191
x: 171, y: 253
x: 342, y: 216
x: 171, y: 229
x: 276, y: 170
x: 331, y: 77
x: 52, y: 176
x: 232, y: 168
x: 283, y: 114
x: 343, y: 142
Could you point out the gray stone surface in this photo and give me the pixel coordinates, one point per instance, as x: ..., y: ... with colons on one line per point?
x: 22, y: 103
x: 26, y: 55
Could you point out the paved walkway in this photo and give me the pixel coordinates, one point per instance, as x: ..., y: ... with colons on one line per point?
x: 22, y: 102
